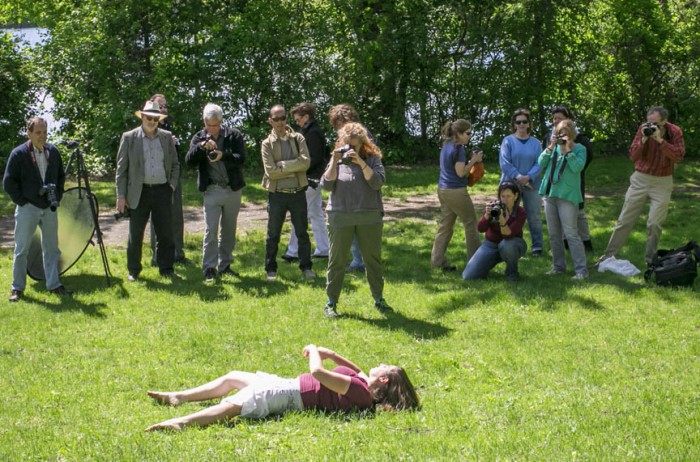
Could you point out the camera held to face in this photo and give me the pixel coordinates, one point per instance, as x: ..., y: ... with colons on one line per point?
x: 496, y: 208
x: 210, y: 154
x: 345, y: 160
x: 561, y: 140
x: 649, y: 128
x: 49, y: 190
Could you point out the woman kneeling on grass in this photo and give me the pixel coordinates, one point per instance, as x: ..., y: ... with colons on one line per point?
x: 260, y: 394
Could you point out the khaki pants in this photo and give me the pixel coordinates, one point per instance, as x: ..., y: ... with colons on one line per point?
x: 369, y: 238
x: 454, y: 203
x: 658, y: 190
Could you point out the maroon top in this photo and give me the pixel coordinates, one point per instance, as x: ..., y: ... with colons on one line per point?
x: 658, y: 159
x: 316, y: 396
x: 493, y: 230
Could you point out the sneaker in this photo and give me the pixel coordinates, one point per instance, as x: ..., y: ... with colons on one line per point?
x: 309, y: 274
x: 329, y: 311
x: 553, y: 271
x: 449, y: 269
x: 230, y: 272
x: 209, y: 274
x: 289, y: 258
x: 382, y: 306
x: 355, y: 269
x: 133, y: 277
x: 579, y: 276
x: 319, y: 255
x: 512, y: 277
x: 536, y: 253
x: 16, y: 295
x: 271, y: 275
x: 60, y: 290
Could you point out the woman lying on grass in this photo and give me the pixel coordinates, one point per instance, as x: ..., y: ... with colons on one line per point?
x: 344, y: 388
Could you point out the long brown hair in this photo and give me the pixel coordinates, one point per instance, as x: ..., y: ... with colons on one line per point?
x: 396, y: 393
x: 356, y: 130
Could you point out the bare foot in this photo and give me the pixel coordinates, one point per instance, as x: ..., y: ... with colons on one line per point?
x: 164, y: 397
x: 171, y: 425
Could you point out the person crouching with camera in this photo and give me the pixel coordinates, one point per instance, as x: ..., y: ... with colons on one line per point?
x: 562, y: 163
x: 503, y: 222
x: 34, y: 179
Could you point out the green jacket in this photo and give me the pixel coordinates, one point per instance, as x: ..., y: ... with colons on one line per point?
x: 565, y: 179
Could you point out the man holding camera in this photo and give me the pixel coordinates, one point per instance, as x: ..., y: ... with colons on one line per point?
x: 655, y: 151
x: 218, y: 153
x: 147, y: 174
x: 34, y: 179
x: 285, y: 159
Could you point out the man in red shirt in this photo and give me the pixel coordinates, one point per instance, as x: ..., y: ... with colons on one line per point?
x: 655, y: 151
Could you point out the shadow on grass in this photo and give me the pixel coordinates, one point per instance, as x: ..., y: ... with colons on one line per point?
x: 395, y: 320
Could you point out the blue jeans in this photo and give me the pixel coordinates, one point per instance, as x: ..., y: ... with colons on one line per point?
x: 490, y: 254
x: 277, y: 206
x: 533, y: 206
x: 27, y: 218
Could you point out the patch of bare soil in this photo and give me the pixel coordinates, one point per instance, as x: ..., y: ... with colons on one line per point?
x: 253, y: 216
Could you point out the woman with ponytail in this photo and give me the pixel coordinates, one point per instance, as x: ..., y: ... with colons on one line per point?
x: 452, y: 193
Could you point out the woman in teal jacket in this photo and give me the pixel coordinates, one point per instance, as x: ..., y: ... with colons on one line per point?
x: 562, y: 163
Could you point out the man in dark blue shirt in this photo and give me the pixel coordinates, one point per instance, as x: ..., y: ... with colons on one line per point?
x: 34, y: 179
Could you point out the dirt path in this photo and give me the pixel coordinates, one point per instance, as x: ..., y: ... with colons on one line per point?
x: 252, y: 216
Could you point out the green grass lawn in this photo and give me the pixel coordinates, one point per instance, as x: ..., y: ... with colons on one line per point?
x: 545, y: 369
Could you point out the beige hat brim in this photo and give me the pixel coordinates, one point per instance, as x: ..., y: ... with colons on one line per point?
x: 152, y: 114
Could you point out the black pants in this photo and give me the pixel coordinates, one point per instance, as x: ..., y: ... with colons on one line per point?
x: 277, y: 206
x: 155, y: 203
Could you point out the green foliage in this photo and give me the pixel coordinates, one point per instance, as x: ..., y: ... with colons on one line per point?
x: 407, y: 65
x: 17, y: 90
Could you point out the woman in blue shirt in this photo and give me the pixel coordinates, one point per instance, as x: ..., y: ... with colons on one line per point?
x: 452, y: 193
x: 518, y: 159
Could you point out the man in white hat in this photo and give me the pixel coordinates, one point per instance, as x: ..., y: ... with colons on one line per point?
x: 147, y: 174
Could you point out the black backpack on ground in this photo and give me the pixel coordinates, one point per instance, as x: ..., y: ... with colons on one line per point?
x: 676, y: 267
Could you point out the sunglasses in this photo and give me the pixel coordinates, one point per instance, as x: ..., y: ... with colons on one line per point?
x: 278, y: 118
x: 151, y: 118
x: 522, y: 122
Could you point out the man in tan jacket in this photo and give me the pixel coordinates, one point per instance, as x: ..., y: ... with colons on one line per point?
x: 285, y: 160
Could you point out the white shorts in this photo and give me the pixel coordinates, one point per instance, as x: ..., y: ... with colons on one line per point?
x: 269, y: 394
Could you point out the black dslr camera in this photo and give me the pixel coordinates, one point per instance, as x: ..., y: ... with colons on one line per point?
x: 345, y: 160
x: 561, y: 140
x: 496, y: 210
x: 649, y: 128
x: 119, y: 215
x: 210, y: 154
x: 49, y: 190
